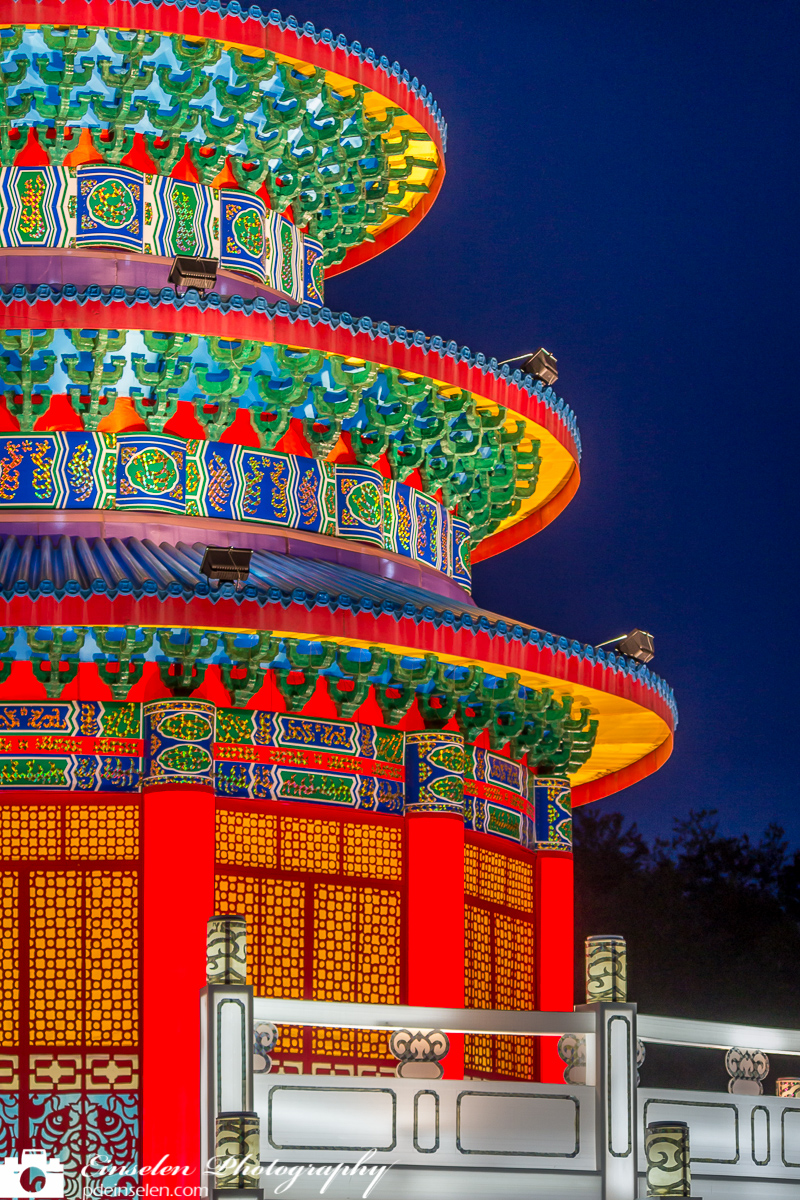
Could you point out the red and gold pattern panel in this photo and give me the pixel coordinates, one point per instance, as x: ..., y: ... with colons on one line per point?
x: 247, y: 839
x: 111, y: 958
x: 78, y: 886
x: 31, y: 831
x: 323, y: 900
x: 499, y: 953
x: 109, y: 833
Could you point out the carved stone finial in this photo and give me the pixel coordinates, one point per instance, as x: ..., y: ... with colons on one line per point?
x: 419, y: 1051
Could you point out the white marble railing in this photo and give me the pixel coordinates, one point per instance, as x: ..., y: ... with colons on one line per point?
x: 476, y: 1138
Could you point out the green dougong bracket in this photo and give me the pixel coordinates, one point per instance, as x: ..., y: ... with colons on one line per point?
x: 343, y: 170
x: 537, y: 727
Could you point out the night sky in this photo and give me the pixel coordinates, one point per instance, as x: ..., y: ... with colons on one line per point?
x: 622, y: 188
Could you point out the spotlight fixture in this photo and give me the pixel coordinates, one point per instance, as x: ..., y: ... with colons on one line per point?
x: 636, y: 644
x: 541, y: 365
x: 228, y: 564
x: 200, y: 273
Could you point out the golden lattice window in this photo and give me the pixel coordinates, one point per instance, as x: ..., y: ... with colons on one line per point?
x: 282, y: 939
x: 339, y: 1043
x: 514, y: 963
x: 335, y: 923
x: 84, y: 958
x: 247, y: 839
x: 290, y: 1041
x: 108, y: 831
x: 9, y: 957
x: 56, y: 943
x: 500, y: 961
x: 492, y: 879
x: 514, y: 1056
x: 354, y: 930
x: 471, y: 854
x: 520, y: 885
x: 379, y: 947
x: 312, y: 846
x: 375, y: 851
x: 478, y: 955
x: 477, y: 1053
x: 112, y: 992
x: 374, y: 1043
x: 30, y: 831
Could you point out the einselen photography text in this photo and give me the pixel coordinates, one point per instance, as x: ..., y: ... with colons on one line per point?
x: 274, y: 1176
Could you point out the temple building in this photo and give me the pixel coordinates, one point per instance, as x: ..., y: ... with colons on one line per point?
x: 323, y: 732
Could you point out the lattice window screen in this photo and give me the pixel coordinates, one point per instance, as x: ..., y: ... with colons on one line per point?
x: 500, y: 960
x: 324, y: 903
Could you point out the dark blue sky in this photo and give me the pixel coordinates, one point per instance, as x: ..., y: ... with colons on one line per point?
x: 622, y: 188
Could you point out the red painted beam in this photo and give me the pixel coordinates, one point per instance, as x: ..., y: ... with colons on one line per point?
x: 435, y: 919
x: 554, y: 949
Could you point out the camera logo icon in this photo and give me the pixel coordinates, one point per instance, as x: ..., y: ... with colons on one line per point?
x: 34, y: 1175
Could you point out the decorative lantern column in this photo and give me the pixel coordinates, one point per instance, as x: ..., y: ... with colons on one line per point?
x: 435, y: 857
x: 666, y: 1151
x: 606, y: 969
x: 178, y: 803
x: 237, y: 1150
x: 554, y: 910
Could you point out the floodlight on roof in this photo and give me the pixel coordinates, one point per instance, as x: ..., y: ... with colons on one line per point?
x: 200, y: 273
x: 228, y: 564
x: 636, y: 644
x: 541, y: 365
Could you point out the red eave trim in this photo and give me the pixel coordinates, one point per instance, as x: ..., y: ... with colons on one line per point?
x: 321, y: 623
x: 585, y: 793
x: 68, y: 314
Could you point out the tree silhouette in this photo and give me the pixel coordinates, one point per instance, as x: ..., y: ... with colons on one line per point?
x: 711, y: 921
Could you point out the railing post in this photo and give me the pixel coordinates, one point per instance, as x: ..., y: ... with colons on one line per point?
x: 238, y: 1147
x: 227, y: 1034
x: 611, y: 1066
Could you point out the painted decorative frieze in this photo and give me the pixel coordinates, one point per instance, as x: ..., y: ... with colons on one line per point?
x: 119, y: 208
x: 81, y: 746
x: 178, y: 742
x: 496, y: 795
x: 148, y: 473
x: 552, y: 803
x: 280, y: 756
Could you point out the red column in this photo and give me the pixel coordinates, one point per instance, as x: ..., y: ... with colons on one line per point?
x: 178, y: 900
x: 554, y: 950
x: 435, y: 918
